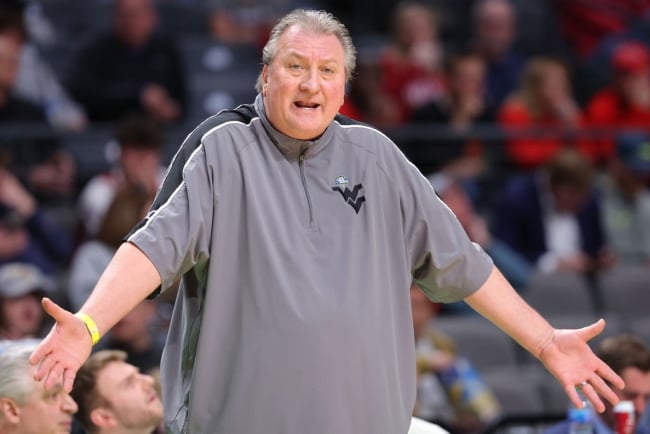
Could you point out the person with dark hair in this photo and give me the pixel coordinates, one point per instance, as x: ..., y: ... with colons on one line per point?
x: 132, y: 66
x: 114, y: 397
x: 296, y: 233
x: 629, y: 357
x: 140, y: 140
x: 552, y: 216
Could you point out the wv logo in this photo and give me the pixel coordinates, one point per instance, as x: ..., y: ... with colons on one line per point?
x: 352, y: 197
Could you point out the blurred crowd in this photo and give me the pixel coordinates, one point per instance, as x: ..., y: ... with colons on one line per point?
x: 530, y: 119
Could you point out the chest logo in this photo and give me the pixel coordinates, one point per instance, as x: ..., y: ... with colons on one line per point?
x: 351, y: 197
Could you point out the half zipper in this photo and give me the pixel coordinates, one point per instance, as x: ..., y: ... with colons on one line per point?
x: 303, y: 178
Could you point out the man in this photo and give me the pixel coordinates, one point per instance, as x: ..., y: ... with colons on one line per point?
x: 630, y: 358
x: 296, y: 234
x: 131, y: 67
x: 26, y: 407
x: 141, y: 142
x: 114, y: 397
x: 21, y: 287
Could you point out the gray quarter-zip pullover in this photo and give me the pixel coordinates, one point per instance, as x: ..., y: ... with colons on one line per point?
x: 296, y: 259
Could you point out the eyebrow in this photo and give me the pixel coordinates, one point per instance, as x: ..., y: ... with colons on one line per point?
x: 303, y: 57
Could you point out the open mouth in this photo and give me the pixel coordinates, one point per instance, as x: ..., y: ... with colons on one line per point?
x: 306, y: 105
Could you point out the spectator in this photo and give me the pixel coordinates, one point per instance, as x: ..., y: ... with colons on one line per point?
x: 465, y: 103
x: 21, y: 288
x: 464, y: 106
x: 585, y: 24
x: 114, y: 397
x: 542, y: 101
x: 515, y: 267
x: 626, y: 200
x: 626, y: 102
x: 493, y: 35
x: 36, y: 82
x: 411, y: 66
x: 27, y: 233
x: 630, y: 358
x: 127, y: 207
x: 552, y: 217
x: 39, y: 160
x: 130, y: 67
x: 26, y: 407
x: 139, y: 167
x: 436, y: 357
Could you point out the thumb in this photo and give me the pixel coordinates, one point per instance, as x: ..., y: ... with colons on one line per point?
x: 54, y: 310
x: 592, y: 330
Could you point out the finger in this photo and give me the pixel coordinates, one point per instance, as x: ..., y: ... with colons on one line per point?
x: 592, y: 330
x: 571, y: 392
x: 55, y: 376
x: 589, y: 392
x: 608, y: 374
x: 53, y: 309
x: 39, y: 353
x: 45, y: 366
x: 68, y: 380
x: 603, y: 389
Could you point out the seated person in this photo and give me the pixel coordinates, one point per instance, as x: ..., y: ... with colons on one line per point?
x: 114, y: 397
x: 139, y: 167
x: 625, y: 103
x: 27, y: 232
x: 544, y: 106
x: 552, y: 216
x: 37, y: 158
x: 629, y: 358
x: 625, y: 199
x: 130, y: 67
x: 21, y: 288
x: 25, y: 406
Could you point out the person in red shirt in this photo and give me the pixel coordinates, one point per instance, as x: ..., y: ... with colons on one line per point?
x: 626, y: 102
x: 543, y: 109
x: 411, y: 66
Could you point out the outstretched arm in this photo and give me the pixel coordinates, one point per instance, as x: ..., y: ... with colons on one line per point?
x: 128, y: 279
x: 565, y: 353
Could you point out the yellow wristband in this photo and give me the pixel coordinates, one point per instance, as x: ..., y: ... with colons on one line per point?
x: 90, y: 325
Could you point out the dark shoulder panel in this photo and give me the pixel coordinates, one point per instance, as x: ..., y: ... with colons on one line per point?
x: 174, y: 176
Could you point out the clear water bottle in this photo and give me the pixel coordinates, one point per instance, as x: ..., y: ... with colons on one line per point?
x: 580, y: 420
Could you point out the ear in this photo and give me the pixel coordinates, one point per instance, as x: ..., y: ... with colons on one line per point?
x: 265, y: 78
x: 103, y: 418
x: 9, y: 410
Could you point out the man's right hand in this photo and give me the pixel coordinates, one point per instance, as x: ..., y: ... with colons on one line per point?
x: 60, y: 355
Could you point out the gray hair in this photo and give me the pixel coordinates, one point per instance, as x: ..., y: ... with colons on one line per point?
x: 16, y: 381
x: 317, y: 23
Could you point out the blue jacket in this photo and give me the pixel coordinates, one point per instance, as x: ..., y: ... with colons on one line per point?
x: 519, y: 219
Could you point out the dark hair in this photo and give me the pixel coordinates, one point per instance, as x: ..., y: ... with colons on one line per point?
x: 140, y: 131
x: 570, y: 168
x: 624, y: 351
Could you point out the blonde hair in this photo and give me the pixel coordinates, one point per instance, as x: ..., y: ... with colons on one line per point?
x: 532, y: 79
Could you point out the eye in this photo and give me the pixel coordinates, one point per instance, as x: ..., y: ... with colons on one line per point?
x: 294, y: 66
x: 328, y: 70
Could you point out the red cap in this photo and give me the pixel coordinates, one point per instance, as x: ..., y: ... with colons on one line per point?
x: 631, y: 57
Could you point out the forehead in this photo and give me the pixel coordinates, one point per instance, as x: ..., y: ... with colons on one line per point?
x: 636, y: 380
x: 299, y: 42
x: 112, y: 376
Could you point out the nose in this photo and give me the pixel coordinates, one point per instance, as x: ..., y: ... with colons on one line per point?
x: 69, y: 405
x: 309, y: 82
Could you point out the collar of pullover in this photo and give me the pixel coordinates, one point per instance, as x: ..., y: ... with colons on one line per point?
x: 290, y: 147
